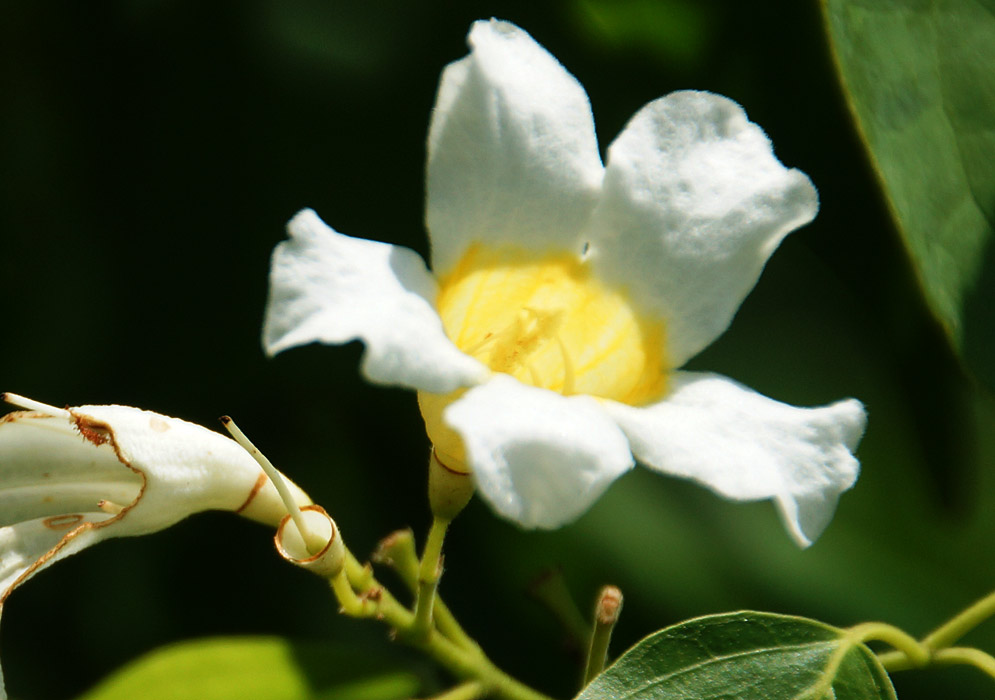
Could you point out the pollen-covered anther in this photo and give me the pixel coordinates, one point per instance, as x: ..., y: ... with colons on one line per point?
x: 326, y: 562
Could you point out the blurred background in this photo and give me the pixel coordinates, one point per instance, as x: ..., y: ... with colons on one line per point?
x: 152, y: 151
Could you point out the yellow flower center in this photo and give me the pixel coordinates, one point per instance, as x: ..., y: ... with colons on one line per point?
x: 548, y: 322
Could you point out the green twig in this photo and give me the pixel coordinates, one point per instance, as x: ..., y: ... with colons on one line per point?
x: 471, y: 690
x: 550, y: 589
x: 397, y: 551
x: 966, y: 655
x: 367, y: 598
x: 429, y: 572
x: 952, y: 630
x: 907, y: 646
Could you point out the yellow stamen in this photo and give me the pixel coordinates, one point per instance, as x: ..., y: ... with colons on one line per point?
x: 547, y: 321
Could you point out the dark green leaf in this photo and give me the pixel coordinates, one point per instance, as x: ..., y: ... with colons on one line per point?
x: 268, y: 668
x: 747, y: 656
x: 920, y: 80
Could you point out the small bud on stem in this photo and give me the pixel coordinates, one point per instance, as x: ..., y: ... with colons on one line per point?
x: 606, y: 612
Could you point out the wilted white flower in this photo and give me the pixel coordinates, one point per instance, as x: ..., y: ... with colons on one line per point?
x: 70, y: 478
x: 567, y: 294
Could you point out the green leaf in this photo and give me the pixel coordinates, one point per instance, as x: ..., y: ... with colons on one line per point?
x: 920, y: 79
x: 268, y: 668
x: 747, y: 656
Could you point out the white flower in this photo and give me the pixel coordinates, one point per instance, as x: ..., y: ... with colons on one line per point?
x: 70, y: 478
x: 566, y: 294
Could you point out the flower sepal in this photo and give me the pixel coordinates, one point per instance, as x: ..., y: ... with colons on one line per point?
x: 449, y: 490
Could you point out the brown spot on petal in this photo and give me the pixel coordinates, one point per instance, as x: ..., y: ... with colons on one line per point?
x: 61, y: 522
x: 158, y: 425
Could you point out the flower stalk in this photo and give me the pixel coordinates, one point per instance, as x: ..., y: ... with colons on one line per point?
x: 362, y: 596
x: 397, y: 551
x: 429, y: 573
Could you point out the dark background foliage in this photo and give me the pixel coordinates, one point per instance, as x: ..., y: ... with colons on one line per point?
x: 152, y: 151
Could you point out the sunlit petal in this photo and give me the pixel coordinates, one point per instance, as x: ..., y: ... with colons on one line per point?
x: 748, y: 447
x: 694, y: 203
x: 539, y: 458
x: 330, y: 288
x: 512, y: 154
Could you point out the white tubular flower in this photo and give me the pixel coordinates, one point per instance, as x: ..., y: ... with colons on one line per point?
x: 70, y: 478
x: 567, y: 294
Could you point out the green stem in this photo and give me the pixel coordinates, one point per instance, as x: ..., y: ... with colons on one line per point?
x: 951, y: 656
x: 429, y: 573
x: 949, y: 632
x: 376, y: 602
x: 966, y: 655
x: 895, y: 661
x: 471, y: 690
x: 550, y: 589
x: 909, y: 647
x: 398, y: 552
x: 352, y: 604
x: 910, y: 653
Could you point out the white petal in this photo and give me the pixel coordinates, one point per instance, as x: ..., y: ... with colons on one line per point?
x: 539, y: 458
x: 48, y: 469
x: 22, y: 545
x: 330, y: 288
x: 55, y: 470
x: 187, y: 469
x: 694, y: 203
x: 748, y: 447
x: 512, y: 154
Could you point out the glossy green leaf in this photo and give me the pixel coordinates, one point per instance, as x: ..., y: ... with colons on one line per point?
x: 748, y: 656
x: 920, y: 79
x: 268, y: 668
